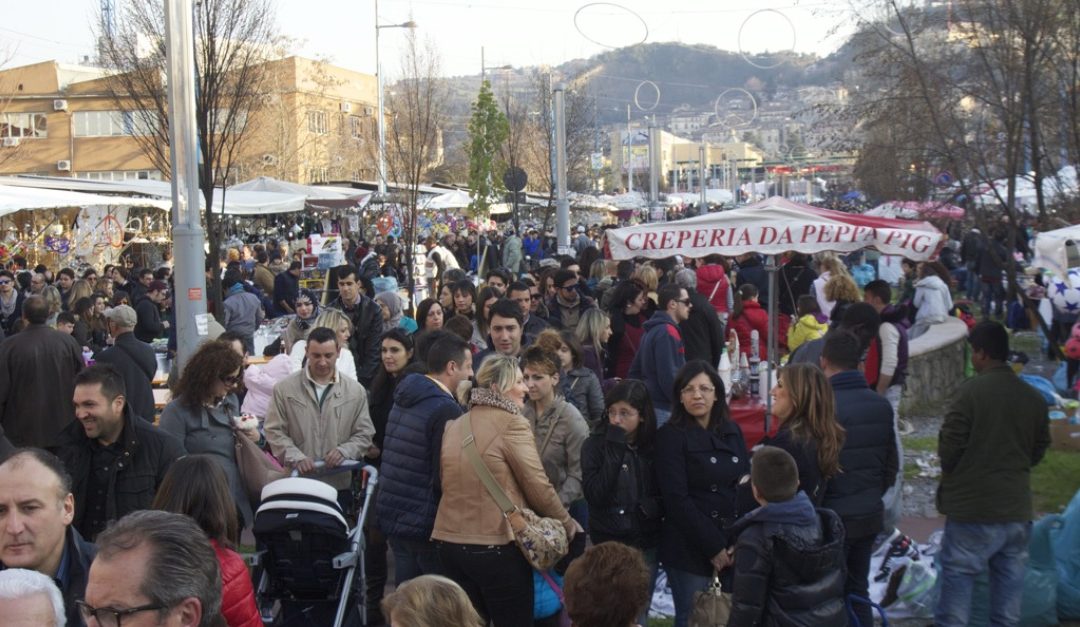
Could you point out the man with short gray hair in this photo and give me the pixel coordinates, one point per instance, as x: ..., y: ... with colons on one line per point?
x: 154, y: 562
x: 30, y: 599
x: 703, y: 333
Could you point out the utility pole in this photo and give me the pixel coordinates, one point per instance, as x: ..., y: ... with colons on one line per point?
x: 702, y: 153
x: 629, y: 154
x: 654, y: 167
x: 188, y: 235
x: 562, y: 205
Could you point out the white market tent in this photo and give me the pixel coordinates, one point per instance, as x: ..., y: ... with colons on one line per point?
x: 235, y: 203
x: 456, y: 199
x: 1057, y: 250
x: 316, y: 197
x: 772, y: 227
x: 14, y: 199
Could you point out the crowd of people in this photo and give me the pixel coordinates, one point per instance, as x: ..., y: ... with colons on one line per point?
x: 587, y: 388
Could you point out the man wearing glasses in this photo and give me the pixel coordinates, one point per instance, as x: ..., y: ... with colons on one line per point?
x: 153, y: 568
x: 662, y: 353
x: 565, y: 309
x: 117, y: 461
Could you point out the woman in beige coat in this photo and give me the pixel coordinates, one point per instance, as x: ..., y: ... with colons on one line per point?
x: 475, y: 543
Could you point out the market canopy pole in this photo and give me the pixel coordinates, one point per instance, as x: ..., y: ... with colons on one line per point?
x: 189, y: 257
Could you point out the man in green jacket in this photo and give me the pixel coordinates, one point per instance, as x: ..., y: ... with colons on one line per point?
x: 996, y: 429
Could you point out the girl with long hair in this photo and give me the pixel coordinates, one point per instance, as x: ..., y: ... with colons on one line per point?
x: 578, y: 384
x: 805, y: 407
x: 486, y: 297
x: 593, y: 332
x: 195, y: 486
x: 430, y: 315
x: 337, y: 321
x: 628, y: 315
x: 700, y: 458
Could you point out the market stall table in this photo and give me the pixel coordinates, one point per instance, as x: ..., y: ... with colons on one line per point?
x: 749, y: 414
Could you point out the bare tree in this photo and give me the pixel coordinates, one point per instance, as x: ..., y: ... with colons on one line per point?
x: 234, y: 39
x: 414, y: 133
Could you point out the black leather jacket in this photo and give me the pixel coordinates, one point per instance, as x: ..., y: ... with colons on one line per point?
x: 620, y: 487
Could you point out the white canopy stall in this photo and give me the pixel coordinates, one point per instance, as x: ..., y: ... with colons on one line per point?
x: 772, y: 227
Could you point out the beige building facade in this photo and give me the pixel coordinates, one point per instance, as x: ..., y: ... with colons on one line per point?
x: 315, y: 123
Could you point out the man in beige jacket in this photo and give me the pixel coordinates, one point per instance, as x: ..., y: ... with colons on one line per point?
x: 316, y: 414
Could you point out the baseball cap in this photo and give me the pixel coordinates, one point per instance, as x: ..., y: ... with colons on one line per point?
x: 122, y: 315
x: 158, y: 286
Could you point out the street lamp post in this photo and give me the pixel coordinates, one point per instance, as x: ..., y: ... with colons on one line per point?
x: 379, y: 76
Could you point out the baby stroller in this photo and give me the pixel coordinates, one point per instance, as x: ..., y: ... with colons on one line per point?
x: 309, y: 554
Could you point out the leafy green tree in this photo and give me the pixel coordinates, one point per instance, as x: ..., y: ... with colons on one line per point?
x: 488, y: 129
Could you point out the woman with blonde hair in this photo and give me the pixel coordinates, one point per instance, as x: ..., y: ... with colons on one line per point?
x: 648, y: 277
x: 474, y: 539
x: 594, y: 331
x: 828, y: 266
x: 54, y: 301
x: 79, y: 289
x: 105, y: 285
x: 804, y: 404
x: 339, y: 323
x: 430, y: 601
x: 841, y: 291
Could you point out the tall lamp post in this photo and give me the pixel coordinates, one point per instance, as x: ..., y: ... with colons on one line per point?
x: 379, y: 74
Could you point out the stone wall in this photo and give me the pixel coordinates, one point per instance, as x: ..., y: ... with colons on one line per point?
x: 935, y: 365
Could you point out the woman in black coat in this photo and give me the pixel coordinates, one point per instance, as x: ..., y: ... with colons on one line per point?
x: 700, y: 458
x: 796, y: 279
x: 618, y: 475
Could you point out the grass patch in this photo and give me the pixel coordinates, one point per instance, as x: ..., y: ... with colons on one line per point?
x: 923, y: 408
x: 1028, y: 342
x: 925, y: 444
x: 661, y: 622
x: 1055, y: 480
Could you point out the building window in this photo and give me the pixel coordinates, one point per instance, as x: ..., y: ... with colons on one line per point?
x: 318, y: 175
x: 317, y: 122
x: 121, y: 175
x: 356, y: 126
x: 24, y: 125
x: 112, y: 123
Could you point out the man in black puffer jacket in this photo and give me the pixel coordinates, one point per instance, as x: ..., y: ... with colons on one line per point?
x: 789, y: 557
x: 868, y: 459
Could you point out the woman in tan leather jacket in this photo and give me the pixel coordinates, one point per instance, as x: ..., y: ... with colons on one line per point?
x: 475, y: 543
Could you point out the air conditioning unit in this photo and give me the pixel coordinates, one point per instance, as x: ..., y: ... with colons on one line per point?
x: 59, y: 105
x: 346, y: 107
x: 369, y: 110
x: 63, y: 165
x: 269, y: 159
x: 11, y: 141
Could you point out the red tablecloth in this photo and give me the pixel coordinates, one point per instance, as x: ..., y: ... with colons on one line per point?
x: 749, y: 414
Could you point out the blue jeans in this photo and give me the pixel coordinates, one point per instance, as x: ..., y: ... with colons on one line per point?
x: 413, y: 558
x: 683, y: 586
x: 969, y: 549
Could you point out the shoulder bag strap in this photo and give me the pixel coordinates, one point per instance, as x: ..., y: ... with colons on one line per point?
x: 493, y: 487
x: 551, y: 432
x: 714, y: 288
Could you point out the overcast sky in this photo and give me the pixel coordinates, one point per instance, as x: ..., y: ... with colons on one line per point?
x: 514, y: 32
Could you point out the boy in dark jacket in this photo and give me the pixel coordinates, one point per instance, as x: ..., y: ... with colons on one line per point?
x: 789, y: 558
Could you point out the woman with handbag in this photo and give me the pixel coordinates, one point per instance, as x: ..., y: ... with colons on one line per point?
x: 202, y: 410
x: 700, y: 457
x: 492, y: 477
x: 560, y: 431
x: 620, y: 483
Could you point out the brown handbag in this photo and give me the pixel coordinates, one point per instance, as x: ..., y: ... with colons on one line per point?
x: 256, y: 467
x: 712, y: 606
x: 542, y: 541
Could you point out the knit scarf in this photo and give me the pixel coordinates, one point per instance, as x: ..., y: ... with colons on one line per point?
x: 7, y: 307
x: 486, y: 398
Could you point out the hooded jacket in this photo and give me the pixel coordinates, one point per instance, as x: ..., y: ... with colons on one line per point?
x: 808, y: 327
x: 237, y: 594
x: 659, y: 357
x: 789, y: 566
x: 933, y: 299
x: 408, y: 485
x: 712, y: 281
x: 753, y: 317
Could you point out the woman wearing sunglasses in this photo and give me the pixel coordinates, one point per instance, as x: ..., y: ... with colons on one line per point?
x: 201, y: 412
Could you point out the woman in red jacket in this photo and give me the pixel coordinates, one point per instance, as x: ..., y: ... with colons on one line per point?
x: 196, y: 486
x: 748, y: 315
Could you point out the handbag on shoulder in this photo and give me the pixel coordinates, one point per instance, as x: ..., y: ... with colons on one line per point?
x: 542, y: 541
x: 712, y: 606
x: 256, y: 467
